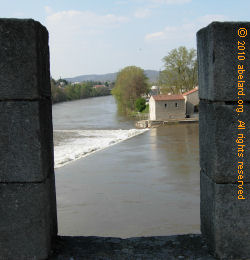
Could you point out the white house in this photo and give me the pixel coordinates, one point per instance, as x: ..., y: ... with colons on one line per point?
x: 163, y: 107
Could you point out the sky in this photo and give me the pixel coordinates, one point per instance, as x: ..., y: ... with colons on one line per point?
x: 104, y: 36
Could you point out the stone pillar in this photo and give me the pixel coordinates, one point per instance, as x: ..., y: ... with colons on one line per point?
x: 224, y: 91
x: 28, y: 220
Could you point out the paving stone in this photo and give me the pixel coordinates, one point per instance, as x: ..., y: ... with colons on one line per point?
x: 188, y: 246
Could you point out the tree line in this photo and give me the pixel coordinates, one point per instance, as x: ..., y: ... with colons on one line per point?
x: 132, y: 86
x: 62, y: 90
x: 179, y: 75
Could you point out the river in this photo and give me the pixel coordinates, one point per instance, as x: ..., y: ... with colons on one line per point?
x: 85, y: 126
x: 123, y: 185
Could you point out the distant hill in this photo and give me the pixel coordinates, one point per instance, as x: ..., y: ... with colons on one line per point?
x: 151, y: 74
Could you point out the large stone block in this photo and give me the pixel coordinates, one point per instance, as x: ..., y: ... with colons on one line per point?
x: 225, y: 220
x: 217, y: 61
x: 26, y: 141
x: 24, y: 63
x: 219, y: 151
x: 26, y: 226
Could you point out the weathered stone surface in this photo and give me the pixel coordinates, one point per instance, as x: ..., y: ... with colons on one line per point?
x: 26, y: 227
x: 190, y: 247
x: 217, y: 61
x: 218, y: 132
x: 225, y: 220
x: 26, y: 139
x: 24, y: 62
x: 53, y: 206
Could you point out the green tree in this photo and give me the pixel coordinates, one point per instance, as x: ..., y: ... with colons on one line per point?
x: 130, y: 84
x: 73, y: 91
x: 57, y: 93
x: 140, y: 104
x: 180, y: 73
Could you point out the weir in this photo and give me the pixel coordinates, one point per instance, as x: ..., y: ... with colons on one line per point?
x: 28, y: 223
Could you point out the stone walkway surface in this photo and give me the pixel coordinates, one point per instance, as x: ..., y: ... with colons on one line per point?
x: 190, y: 246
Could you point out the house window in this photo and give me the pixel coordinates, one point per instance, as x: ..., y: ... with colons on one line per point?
x: 176, y: 104
x: 165, y: 105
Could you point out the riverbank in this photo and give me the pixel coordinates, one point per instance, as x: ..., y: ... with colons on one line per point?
x: 54, y: 102
x: 156, y: 123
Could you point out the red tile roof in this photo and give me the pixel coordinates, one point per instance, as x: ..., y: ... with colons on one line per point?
x: 190, y: 91
x: 168, y: 97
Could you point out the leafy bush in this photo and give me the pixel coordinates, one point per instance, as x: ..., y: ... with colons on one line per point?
x: 140, y: 104
x: 146, y: 110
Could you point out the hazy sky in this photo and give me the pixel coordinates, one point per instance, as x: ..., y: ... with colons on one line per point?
x: 102, y: 36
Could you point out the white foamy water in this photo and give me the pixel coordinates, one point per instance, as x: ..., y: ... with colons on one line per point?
x: 70, y: 145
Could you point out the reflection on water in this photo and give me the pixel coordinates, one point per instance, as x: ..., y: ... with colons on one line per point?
x: 147, y: 185
x: 177, y: 146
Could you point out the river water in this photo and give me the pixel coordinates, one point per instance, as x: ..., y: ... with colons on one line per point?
x: 86, y: 126
x: 128, y: 182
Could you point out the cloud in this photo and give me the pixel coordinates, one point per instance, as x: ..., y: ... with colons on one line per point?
x: 185, y: 32
x: 142, y: 13
x: 155, y: 35
x: 77, y: 38
x: 206, y: 19
x: 18, y: 15
x: 146, y: 12
x: 172, y: 33
x: 171, y: 2
x: 84, y: 19
x: 121, y: 2
x: 70, y: 26
x: 48, y: 10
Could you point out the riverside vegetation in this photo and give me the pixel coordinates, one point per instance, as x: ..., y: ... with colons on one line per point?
x: 179, y: 75
x: 62, y: 90
x: 131, y: 83
x: 132, y: 87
